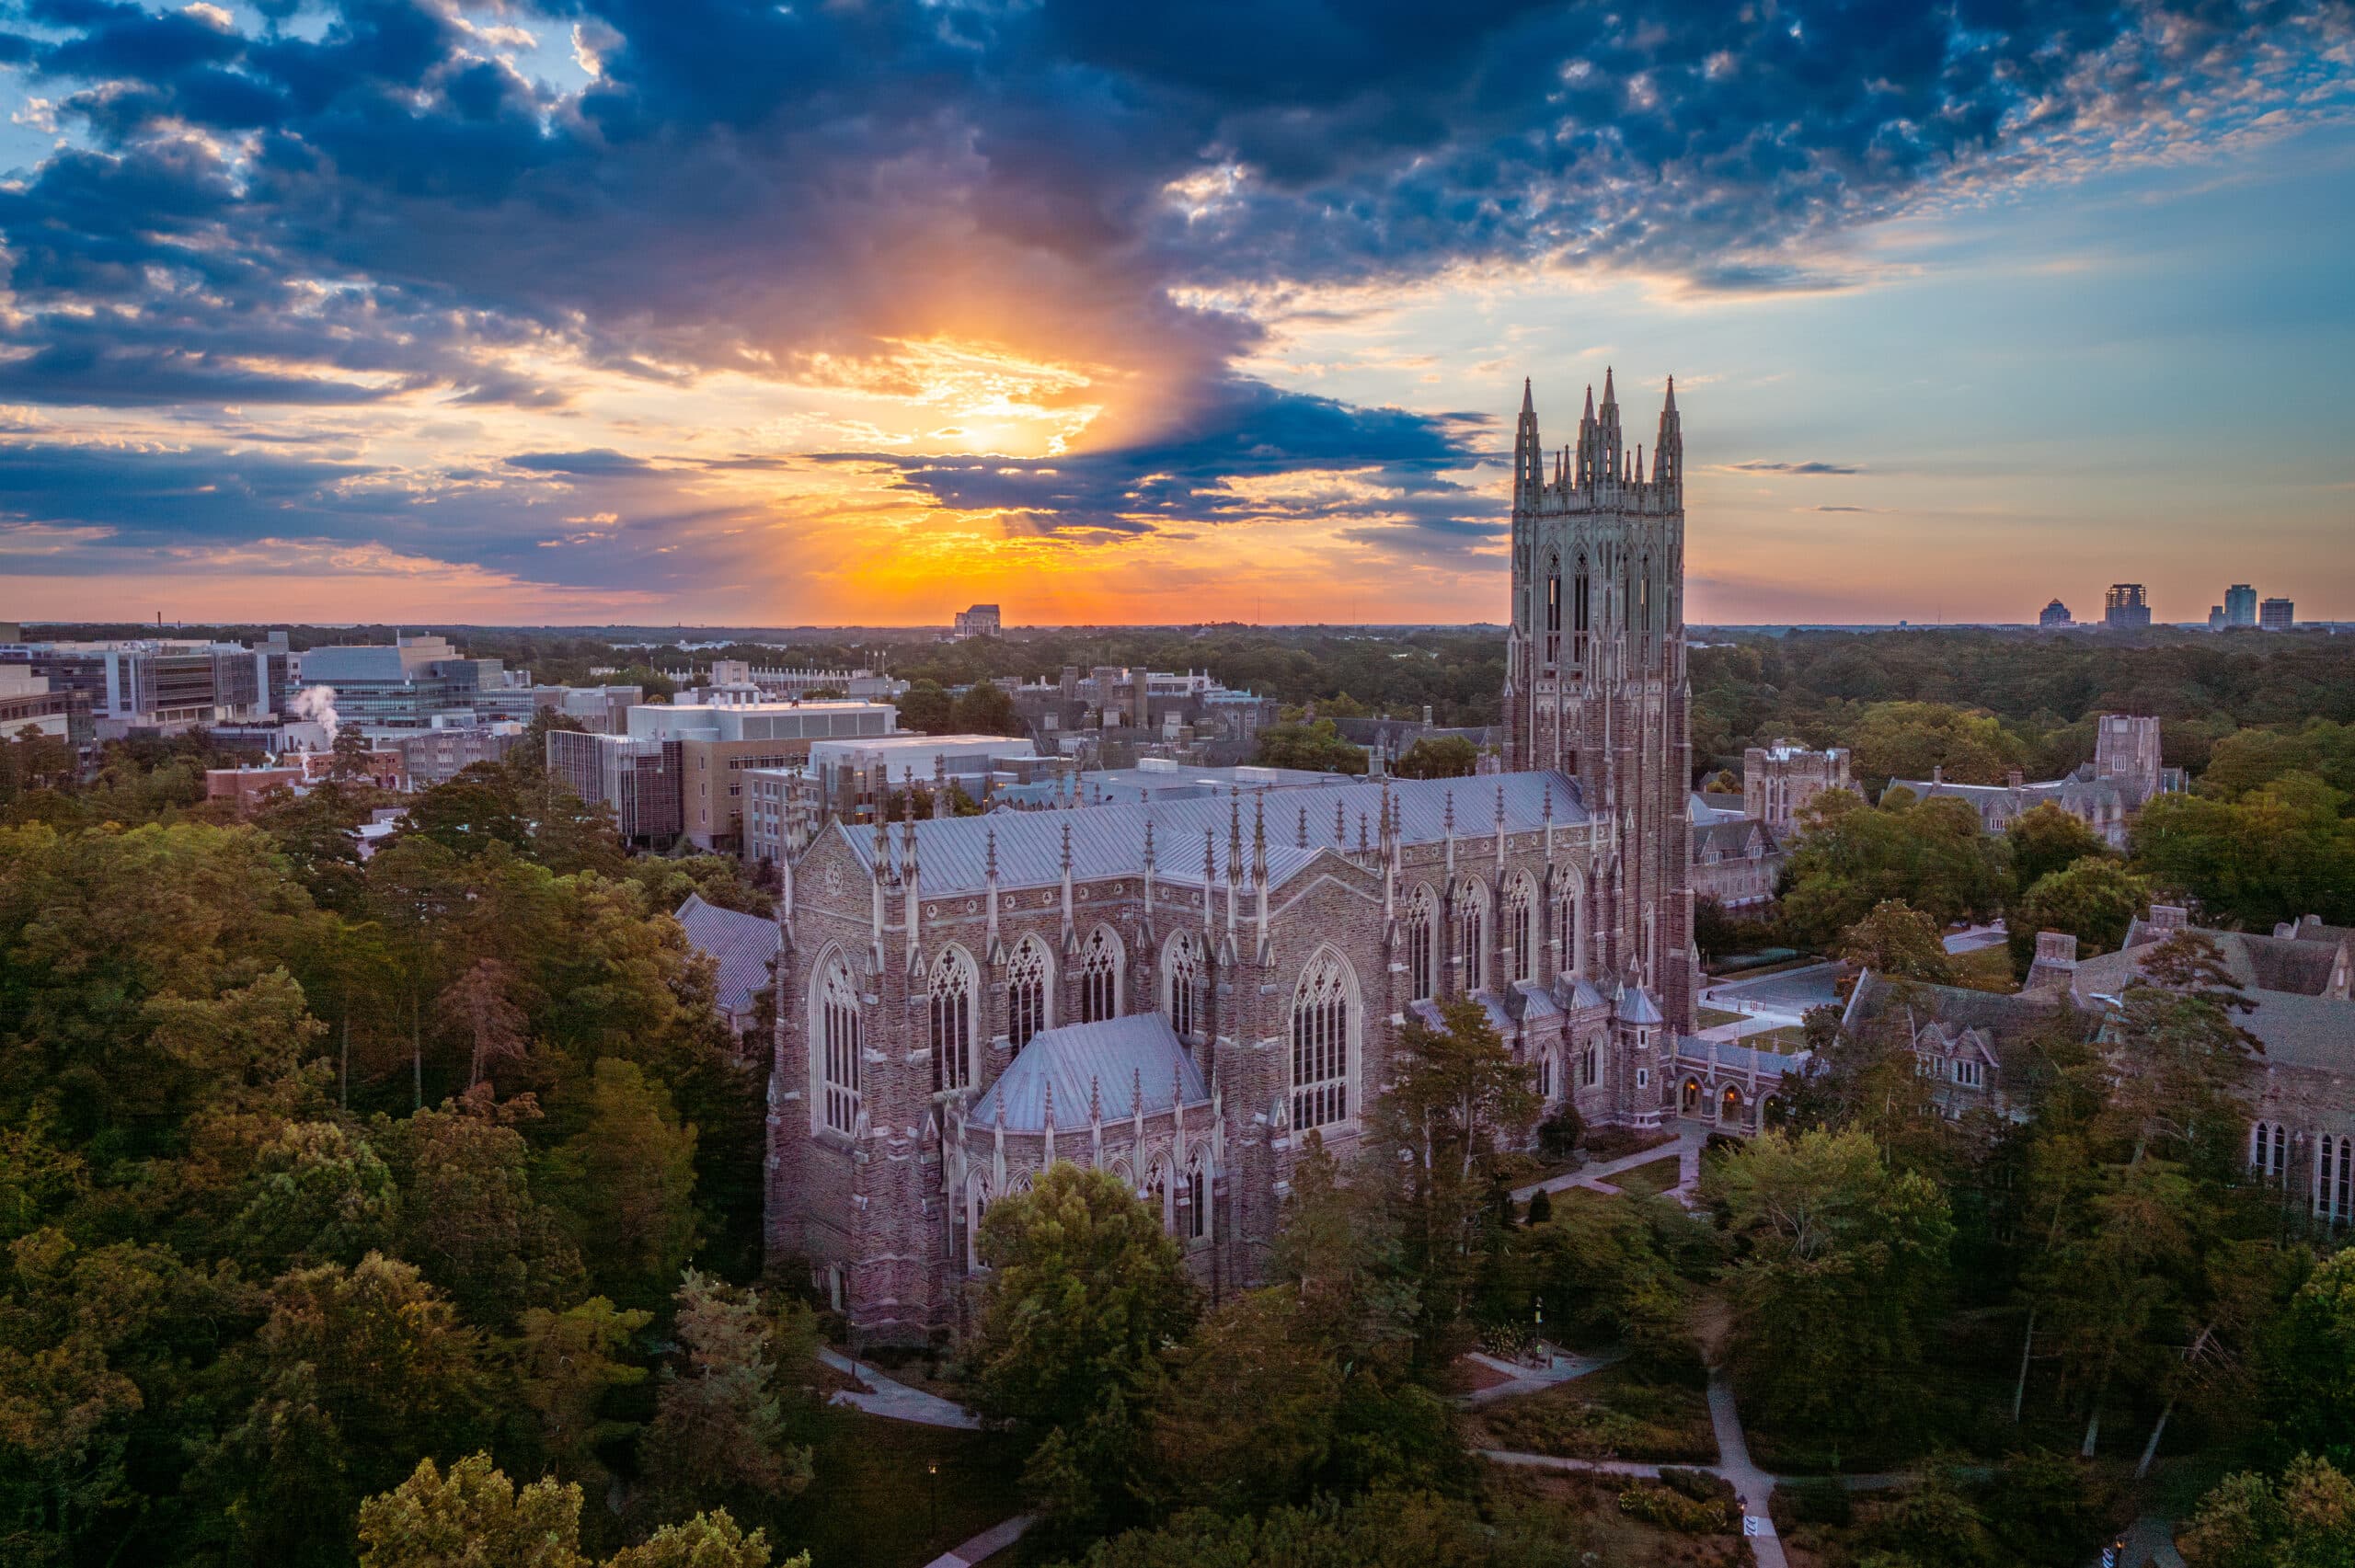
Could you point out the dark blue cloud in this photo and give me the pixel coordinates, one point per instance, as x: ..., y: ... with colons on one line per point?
x: 379, y: 207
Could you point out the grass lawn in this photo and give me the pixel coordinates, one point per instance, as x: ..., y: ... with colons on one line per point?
x: 1647, y: 1180
x: 1610, y: 1414
x: 1789, y: 1038
x: 1710, y: 1017
x: 1989, y: 969
x: 1578, y: 1516
x: 876, y: 1501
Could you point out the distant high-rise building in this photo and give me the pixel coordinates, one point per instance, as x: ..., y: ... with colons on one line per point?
x: 2216, y: 617
x: 2055, y: 614
x: 2276, y: 614
x: 2126, y: 605
x: 2240, y: 605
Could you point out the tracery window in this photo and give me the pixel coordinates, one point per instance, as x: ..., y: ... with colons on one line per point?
x: 1542, y: 1079
x: 1590, y: 1065
x: 1471, y: 932
x: 1423, y: 946
x: 1027, y: 1008
x: 951, y: 996
x: 1521, y: 927
x: 1198, y: 1202
x: 1578, y: 614
x: 836, y: 1006
x: 1324, y: 1010
x: 1099, y: 976
x: 1184, y: 969
x: 1552, y: 610
x: 2269, y: 1149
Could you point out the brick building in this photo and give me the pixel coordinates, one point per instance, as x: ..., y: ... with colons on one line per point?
x: 1180, y: 990
x: 2104, y: 794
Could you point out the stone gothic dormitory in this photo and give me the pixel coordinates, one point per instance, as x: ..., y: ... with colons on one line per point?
x: 1180, y: 990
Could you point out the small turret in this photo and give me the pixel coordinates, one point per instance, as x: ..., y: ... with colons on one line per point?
x: 1667, y: 451
x: 1528, y: 461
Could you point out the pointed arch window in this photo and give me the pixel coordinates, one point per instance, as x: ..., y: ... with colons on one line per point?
x: 1324, y: 1019
x: 950, y: 999
x: 1026, y: 979
x: 1423, y: 946
x: 1553, y: 610
x: 1471, y: 932
x: 1521, y: 927
x: 1157, y: 1193
x: 1579, y: 613
x: 1197, y: 1201
x: 836, y: 1008
x: 1099, y: 976
x: 1184, y: 980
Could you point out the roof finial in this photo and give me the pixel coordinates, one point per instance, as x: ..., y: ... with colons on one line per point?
x: 1610, y: 397
x: 1067, y: 849
x: 989, y: 851
x: 1527, y: 405
x: 1303, y: 827
x: 1671, y: 394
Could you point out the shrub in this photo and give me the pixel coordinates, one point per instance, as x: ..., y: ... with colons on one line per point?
x: 1559, y: 1134
x: 1821, y: 1501
x: 1700, y: 1485
x: 1658, y: 1506
x: 1541, y: 1206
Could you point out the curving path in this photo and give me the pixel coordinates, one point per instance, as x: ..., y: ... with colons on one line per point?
x: 886, y: 1396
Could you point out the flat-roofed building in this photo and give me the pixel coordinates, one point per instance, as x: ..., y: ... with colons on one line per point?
x: 679, y: 769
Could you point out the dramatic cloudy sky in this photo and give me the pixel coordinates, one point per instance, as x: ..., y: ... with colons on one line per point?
x: 829, y: 311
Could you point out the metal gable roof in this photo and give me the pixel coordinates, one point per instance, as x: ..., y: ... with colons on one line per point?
x: 1111, y: 1063
x: 1108, y: 840
x: 742, y: 945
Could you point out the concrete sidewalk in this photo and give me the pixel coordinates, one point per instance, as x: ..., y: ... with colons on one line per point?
x: 1686, y: 1147
x: 883, y: 1396
x: 989, y: 1543
x: 1560, y: 1367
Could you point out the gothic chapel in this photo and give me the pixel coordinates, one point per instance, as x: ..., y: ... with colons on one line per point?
x: 1180, y: 990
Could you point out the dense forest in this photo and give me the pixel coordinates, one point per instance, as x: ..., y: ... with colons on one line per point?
x: 406, y: 1211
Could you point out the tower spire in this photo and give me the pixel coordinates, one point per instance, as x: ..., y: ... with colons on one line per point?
x: 1528, y: 461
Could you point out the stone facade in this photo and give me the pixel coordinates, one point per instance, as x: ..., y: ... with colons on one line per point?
x: 1180, y: 990
x: 1595, y: 682
x: 1779, y: 781
x: 2104, y: 794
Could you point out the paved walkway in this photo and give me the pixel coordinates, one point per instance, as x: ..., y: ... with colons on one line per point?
x: 989, y: 1543
x: 1560, y: 1367
x: 884, y: 1396
x: 1690, y: 1137
x: 2151, y: 1539
x: 1754, y: 1486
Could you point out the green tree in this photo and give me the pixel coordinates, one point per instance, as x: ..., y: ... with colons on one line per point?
x: 1908, y: 741
x: 2305, y: 1520
x: 469, y: 1211
x: 1249, y: 1416
x: 2095, y: 901
x: 2045, y: 839
x: 317, y: 1193
x: 471, y: 1515
x: 719, y: 1422
x: 2283, y: 850
x: 1898, y: 942
x: 983, y: 709
x: 627, y: 1184
x: 1931, y: 854
x: 1316, y: 746
x: 1438, y: 756
x: 1841, y: 1264
x: 1085, y: 1289
x: 925, y: 708
x: 566, y: 1364
x: 1452, y: 1125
